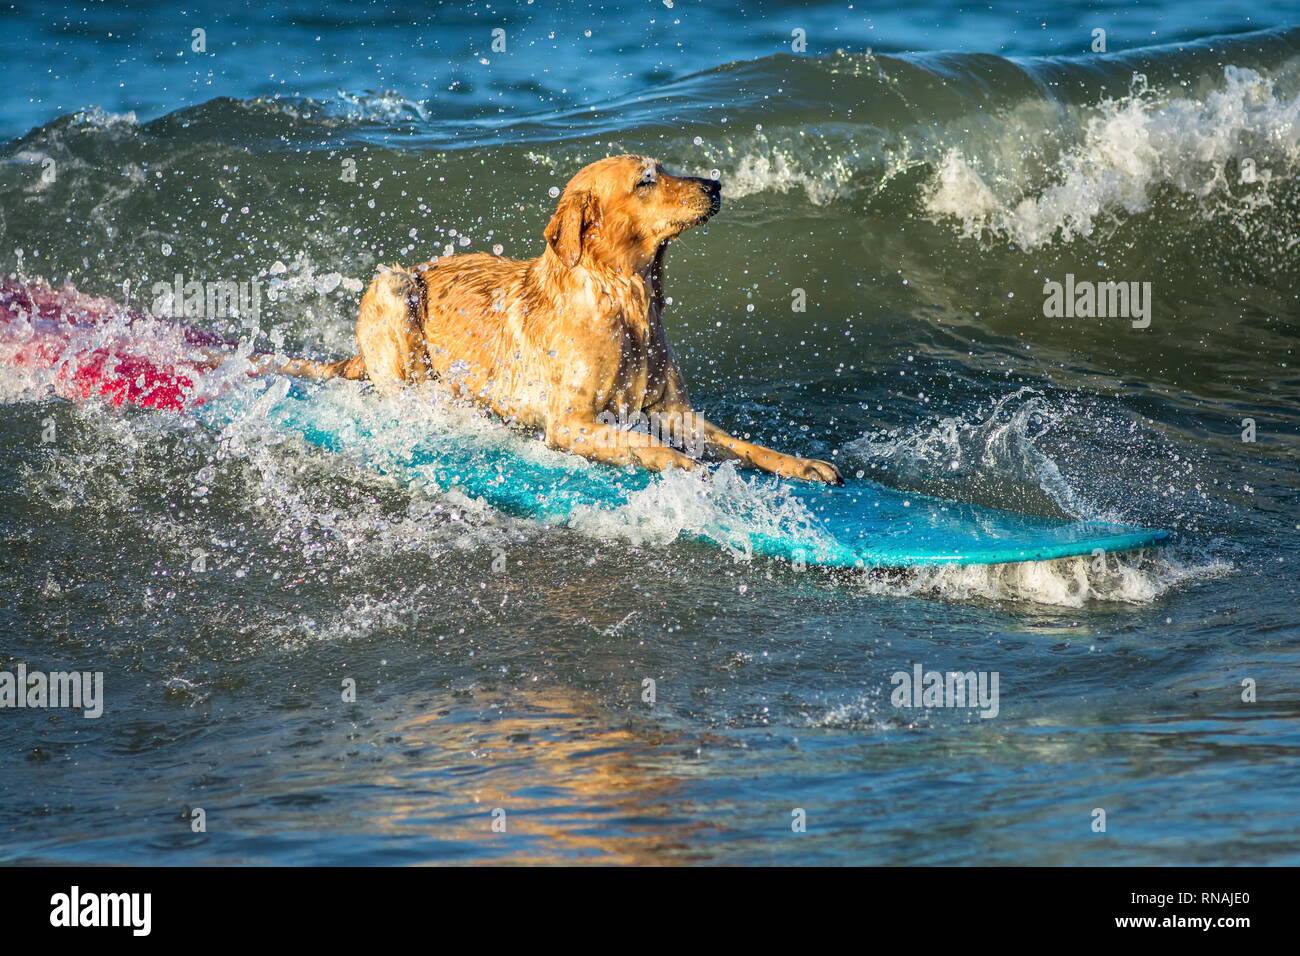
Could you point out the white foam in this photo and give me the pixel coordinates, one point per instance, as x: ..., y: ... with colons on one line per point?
x: 1134, y: 577
x: 861, y: 714
x: 763, y: 167
x: 724, y: 506
x: 1129, y: 148
x: 437, y: 518
x: 99, y: 118
x: 999, y: 446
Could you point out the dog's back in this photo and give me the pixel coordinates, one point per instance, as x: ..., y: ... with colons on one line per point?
x: 464, y: 320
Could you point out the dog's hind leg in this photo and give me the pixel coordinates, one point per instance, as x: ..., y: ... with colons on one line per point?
x: 390, y: 336
x: 353, y: 368
x: 264, y: 362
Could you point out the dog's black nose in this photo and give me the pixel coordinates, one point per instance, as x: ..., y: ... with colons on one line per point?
x: 711, y: 187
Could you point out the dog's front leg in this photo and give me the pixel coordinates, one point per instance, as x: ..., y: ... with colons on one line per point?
x: 720, y: 443
x: 691, y: 430
x: 601, y: 442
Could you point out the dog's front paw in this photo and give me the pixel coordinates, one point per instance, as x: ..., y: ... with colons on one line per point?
x: 810, y: 469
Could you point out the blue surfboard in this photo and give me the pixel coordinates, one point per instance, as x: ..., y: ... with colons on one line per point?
x: 862, y: 524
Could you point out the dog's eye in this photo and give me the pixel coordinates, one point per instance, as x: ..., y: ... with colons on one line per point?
x: 647, y: 180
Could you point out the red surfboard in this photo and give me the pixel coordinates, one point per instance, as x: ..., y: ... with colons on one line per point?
x: 100, y: 349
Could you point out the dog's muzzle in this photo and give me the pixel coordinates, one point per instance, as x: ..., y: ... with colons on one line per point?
x: 713, y: 190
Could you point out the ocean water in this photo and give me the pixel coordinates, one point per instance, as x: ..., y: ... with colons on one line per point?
x: 920, y: 174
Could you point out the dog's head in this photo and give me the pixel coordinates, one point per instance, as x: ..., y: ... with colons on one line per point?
x: 618, y: 212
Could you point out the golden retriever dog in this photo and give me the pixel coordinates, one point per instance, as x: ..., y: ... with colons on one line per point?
x: 572, y: 342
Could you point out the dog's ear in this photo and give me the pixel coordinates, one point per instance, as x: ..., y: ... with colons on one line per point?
x: 576, y: 213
